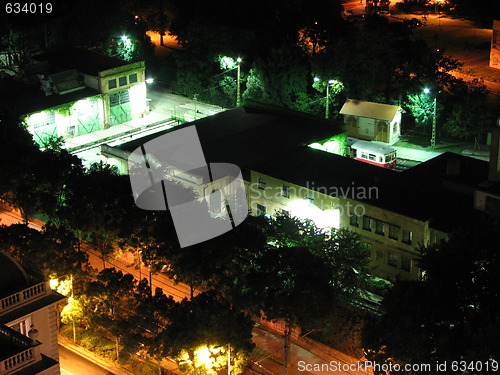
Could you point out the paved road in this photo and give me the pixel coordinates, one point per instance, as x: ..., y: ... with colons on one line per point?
x: 73, y: 364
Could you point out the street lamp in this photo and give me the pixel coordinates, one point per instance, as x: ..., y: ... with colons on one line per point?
x: 238, y: 96
x: 433, y: 136
x: 327, y: 105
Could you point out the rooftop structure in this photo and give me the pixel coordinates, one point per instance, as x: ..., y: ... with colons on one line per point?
x: 372, y: 121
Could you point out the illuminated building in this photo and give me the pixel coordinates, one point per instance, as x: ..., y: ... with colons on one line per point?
x: 76, y: 92
x: 28, y: 322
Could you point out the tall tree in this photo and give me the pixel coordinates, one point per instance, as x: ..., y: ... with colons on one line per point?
x: 451, y: 315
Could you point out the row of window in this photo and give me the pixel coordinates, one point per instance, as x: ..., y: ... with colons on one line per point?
x: 285, y: 190
x: 379, y: 227
x: 122, y: 81
x: 392, y: 257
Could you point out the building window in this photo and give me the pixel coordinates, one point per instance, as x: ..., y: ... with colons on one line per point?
x: 392, y: 259
x: 123, y: 81
x: 407, y: 236
x: 310, y: 197
x: 405, y: 263
x: 132, y: 78
x: 379, y: 227
x: 22, y: 326
x: 285, y: 191
x: 379, y: 254
x: 262, y: 183
x: 261, y: 210
x: 393, y: 232
x: 44, y: 119
x: 492, y: 205
x: 367, y: 249
x: 119, y: 98
x: 112, y: 83
x: 367, y: 223
x: 354, y: 220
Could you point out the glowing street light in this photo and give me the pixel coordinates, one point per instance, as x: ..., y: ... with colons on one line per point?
x: 433, y: 136
x: 238, y: 94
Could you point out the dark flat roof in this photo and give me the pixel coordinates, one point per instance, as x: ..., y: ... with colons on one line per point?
x: 24, y: 99
x: 246, y: 135
x: 275, y: 143
x: 84, y: 61
x: 12, y: 276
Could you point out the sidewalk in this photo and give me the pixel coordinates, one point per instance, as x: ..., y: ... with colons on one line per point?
x: 92, y: 357
x: 112, y: 367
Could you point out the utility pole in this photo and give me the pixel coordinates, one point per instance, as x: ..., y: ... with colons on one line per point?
x: 238, y: 96
x: 433, y: 137
x: 286, y: 346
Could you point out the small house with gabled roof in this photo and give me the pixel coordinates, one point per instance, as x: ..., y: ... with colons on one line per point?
x: 372, y: 121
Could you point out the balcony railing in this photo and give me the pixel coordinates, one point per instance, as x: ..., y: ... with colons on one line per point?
x: 23, y: 296
x: 25, y: 351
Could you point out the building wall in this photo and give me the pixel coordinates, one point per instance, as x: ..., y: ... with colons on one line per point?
x: 274, y: 195
x: 45, y: 322
x: 374, y: 130
x: 81, y: 117
x: 389, y: 257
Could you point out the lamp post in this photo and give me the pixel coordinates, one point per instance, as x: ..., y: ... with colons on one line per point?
x: 433, y: 136
x: 327, y: 104
x: 238, y: 96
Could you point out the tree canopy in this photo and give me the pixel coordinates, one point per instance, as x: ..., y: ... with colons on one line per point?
x: 451, y: 314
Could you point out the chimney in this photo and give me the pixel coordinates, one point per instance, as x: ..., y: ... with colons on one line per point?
x: 494, y: 166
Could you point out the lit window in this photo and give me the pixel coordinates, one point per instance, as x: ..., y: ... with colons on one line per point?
x: 405, y: 263
x: 112, y: 84
x: 310, y: 197
x: 261, y: 210
x: 392, y: 259
x: 353, y: 220
x: 123, y: 81
x: 367, y: 223
x: 132, y: 78
x: 262, y: 183
x: 393, y: 232
x: 407, y: 236
x: 285, y: 191
x: 379, y: 227
x: 42, y: 119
